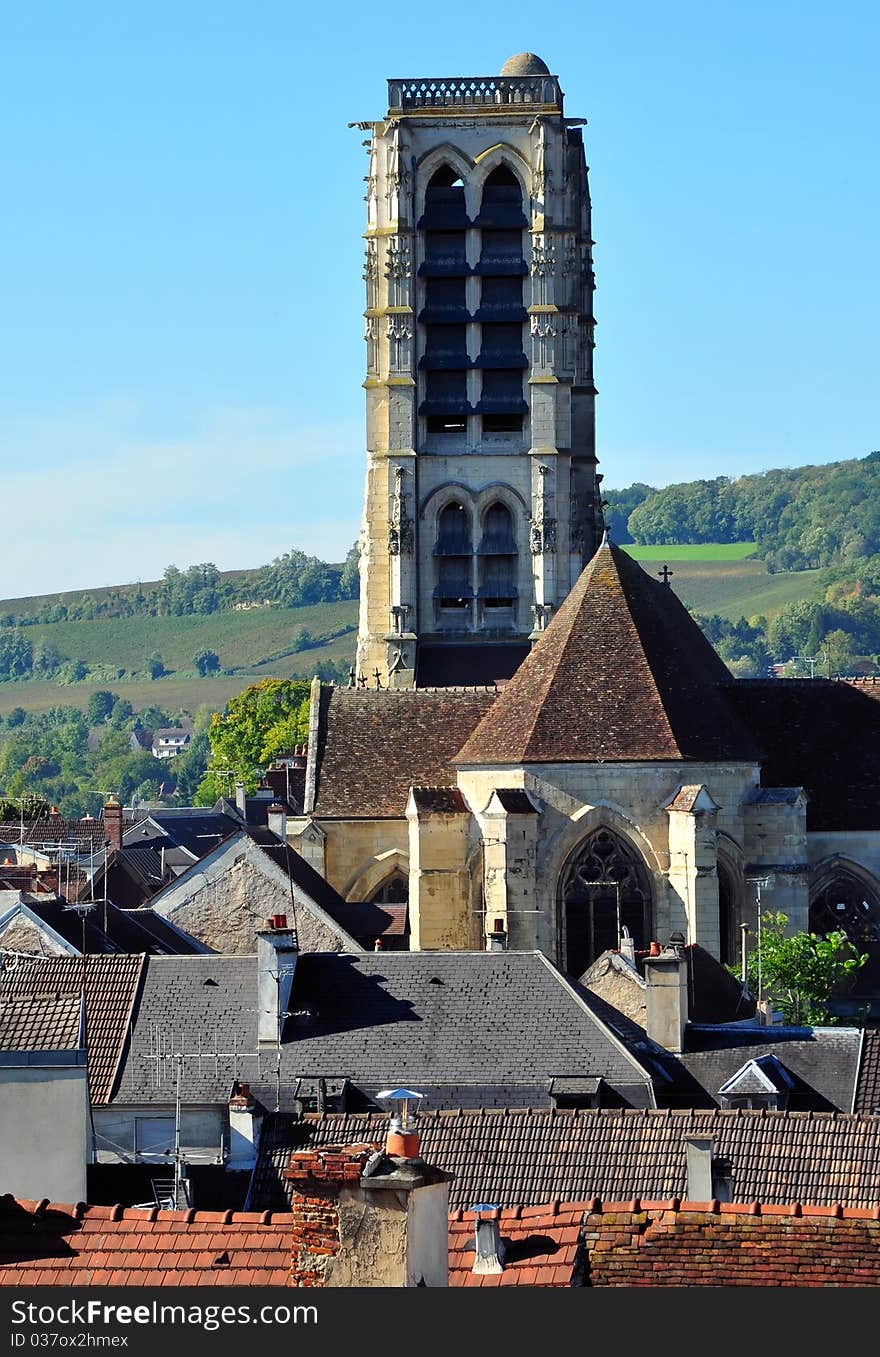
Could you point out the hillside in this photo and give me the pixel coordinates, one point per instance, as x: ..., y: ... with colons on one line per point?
x: 728, y: 580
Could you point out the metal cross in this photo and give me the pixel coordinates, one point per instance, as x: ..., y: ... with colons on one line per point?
x: 666, y: 575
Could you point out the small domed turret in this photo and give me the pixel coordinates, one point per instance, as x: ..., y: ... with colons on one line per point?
x: 524, y: 63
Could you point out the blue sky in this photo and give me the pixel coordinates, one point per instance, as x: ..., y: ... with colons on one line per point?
x: 181, y: 348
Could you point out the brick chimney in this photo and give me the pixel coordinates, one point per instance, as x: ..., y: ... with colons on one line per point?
x: 276, y: 962
x: 113, y: 823
x: 667, y: 994
x: 362, y: 1217
x: 245, y: 1122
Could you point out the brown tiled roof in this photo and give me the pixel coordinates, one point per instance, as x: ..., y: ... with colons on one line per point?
x: 42, y: 1244
x: 81, y: 836
x: 622, y: 673
x: 867, y: 1099
x: 374, y: 745
x: 540, y: 1246
x: 44, y: 1022
x: 528, y: 1156
x: 439, y: 801
x: 111, y: 984
x: 823, y: 736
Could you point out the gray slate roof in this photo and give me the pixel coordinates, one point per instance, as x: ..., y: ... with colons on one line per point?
x: 488, y: 1028
x: 823, y: 1060
x: 529, y: 1156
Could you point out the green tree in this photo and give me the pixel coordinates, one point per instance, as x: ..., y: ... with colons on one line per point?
x: 47, y: 659
x: 155, y: 665
x: 802, y: 972
x: 349, y: 579
x: 16, y: 716
x: 256, y: 725
x: 206, y: 662
x: 302, y: 640
x: 100, y: 706
x: 16, y: 654
x: 122, y: 711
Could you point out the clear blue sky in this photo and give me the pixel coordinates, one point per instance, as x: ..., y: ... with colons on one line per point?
x: 181, y: 343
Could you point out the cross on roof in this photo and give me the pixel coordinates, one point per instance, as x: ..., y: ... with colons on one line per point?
x: 666, y: 575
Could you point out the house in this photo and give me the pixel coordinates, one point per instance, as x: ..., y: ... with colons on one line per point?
x: 169, y: 741
x: 50, y: 926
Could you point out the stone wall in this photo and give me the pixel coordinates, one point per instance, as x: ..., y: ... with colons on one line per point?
x: 21, y: 934
x: 228, y: 910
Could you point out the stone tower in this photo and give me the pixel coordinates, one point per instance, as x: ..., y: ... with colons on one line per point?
x: 481, y: 503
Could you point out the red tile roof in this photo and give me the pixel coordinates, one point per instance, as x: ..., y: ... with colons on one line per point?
x: 540, y: 1246
x: 43, y: 1244
x: 622, y: 673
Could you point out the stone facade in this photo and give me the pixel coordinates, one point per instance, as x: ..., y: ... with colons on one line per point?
x: 480, y: 395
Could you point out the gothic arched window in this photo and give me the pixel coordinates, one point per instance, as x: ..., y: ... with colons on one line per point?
x: 498, y: 559
x: 394, y: 890
x: 604, y: 889
x: 454, y: 552
x: 846, y: 902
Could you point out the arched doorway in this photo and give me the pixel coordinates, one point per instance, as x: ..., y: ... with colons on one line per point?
x: 604, y: 888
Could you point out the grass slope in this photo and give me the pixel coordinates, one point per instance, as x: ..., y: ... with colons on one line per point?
x: 252, y: 643
x: 693, y: 551
x: 735, y: 589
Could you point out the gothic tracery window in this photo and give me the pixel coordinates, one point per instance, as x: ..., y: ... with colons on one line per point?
x: 604, y: 889
x: 848, y: 903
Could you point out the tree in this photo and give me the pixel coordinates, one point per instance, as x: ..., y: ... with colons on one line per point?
x: 16, y: 717
x: 47, y: 659
x: 302, y: 640
x: 259, y: 723
x: 155, y: 665
x: 99, y: 706
x: 207, y: 662
x: 16, y: 654
x: 349, y: 579
x: 802, y: 972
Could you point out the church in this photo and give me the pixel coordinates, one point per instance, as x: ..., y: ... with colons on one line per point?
x: 538, y: 748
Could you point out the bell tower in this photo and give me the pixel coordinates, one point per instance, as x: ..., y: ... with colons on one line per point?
x: 482, y: 502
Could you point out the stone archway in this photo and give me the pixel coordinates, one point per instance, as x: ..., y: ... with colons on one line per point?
x: 604, y: 887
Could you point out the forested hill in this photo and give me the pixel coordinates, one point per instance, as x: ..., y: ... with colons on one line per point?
x: 800, y: 518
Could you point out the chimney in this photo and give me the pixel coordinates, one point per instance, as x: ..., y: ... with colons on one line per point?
x: 698, y: 1158
x: 402, y: 1138
x: 627, y: 946
x: 364, y: 1216
x: 113, y: 823
x: 245, y: 1121
x: 488, y: 1246
x: 496, y: 938
x: 241, y: 800
x: 276, y: 820
x: 276, y: 962
x: 667, y: 994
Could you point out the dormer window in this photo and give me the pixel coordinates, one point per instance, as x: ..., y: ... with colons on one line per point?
x: 763, y: 1083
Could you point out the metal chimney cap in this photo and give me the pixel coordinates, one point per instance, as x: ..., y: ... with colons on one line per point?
x: 484, y: 1206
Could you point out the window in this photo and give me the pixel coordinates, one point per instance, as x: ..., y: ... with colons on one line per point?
x: 603, y: 889
x: 454, y: 551
x: 498, y: 560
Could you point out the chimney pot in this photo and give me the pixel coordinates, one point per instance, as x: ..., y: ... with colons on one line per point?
x: 655, y: 949
x: 488, y: 1248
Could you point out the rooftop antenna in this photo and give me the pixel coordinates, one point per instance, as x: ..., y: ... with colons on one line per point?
x: 812, y: 661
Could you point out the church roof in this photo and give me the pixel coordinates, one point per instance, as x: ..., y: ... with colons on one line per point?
x: 373, y: 745
x: 623, y: 673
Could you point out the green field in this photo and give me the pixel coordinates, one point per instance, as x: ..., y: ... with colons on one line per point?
x: 693, y: 551
x: 255, y: 644
x: 732, y: 588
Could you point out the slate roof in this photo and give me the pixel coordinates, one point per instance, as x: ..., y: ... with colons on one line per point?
x: 491, y: 1028
x: 528, y: 1156
x: 541, y: 1246
x: 714, y: 995
x: 823, y: 1060
x: 40, y: 1023
x: 42, y: 1244
x: 373, y: 746
x: 622, y: 673
x: 111, y: 984
x: 823, y: 736
x: 196, y: 831
x: 109, y: 929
